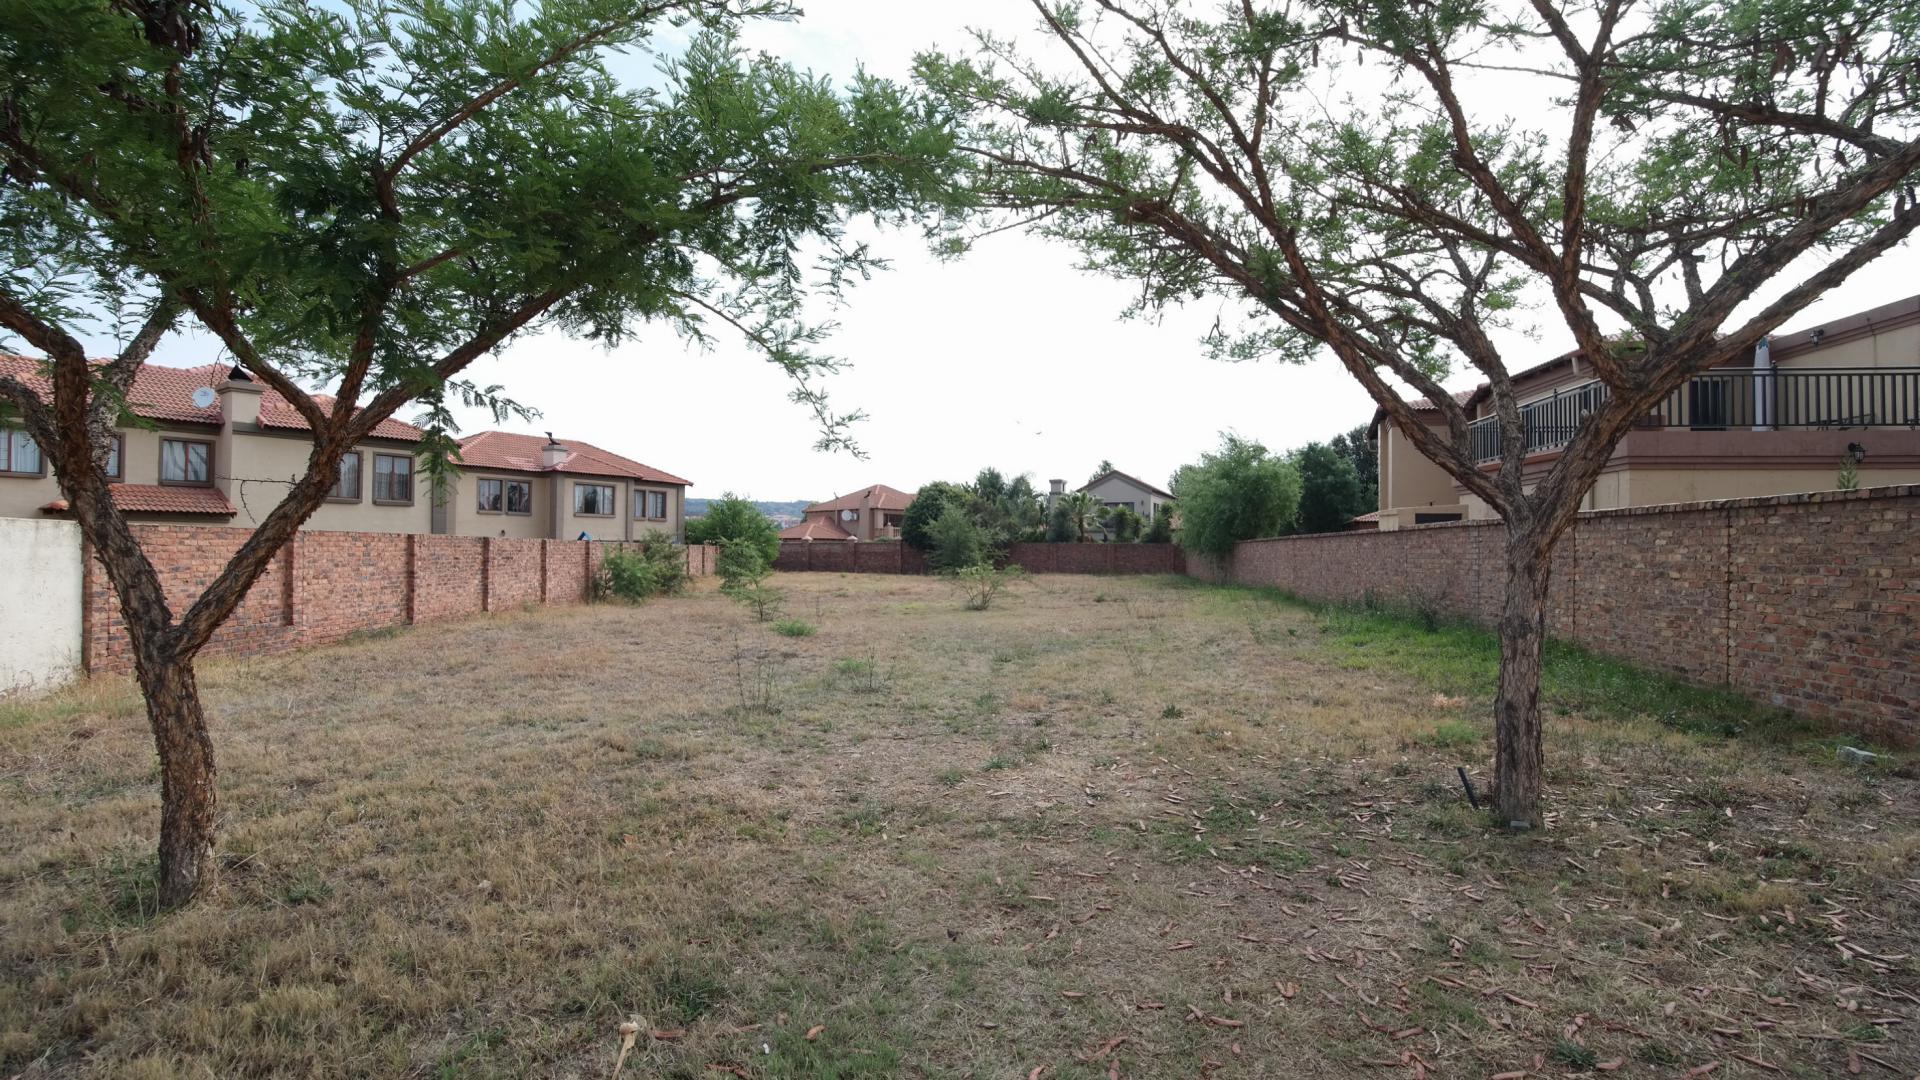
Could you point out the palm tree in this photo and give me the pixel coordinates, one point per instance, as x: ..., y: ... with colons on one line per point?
x: 1083, y: 509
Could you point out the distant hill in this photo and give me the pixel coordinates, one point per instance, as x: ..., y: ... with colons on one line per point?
x: 791, y: 512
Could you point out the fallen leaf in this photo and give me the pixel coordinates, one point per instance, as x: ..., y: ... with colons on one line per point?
x: 814, y: 1031
x: 670, y: 1034
x: 1702, y: 1070
x: 1178, y: 946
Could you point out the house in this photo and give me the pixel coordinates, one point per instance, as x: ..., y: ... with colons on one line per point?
x: 557, y: 489
x: 872, y: 513
x: 1776, y: 422
x: 1115, y: 488
x: 214, y: 447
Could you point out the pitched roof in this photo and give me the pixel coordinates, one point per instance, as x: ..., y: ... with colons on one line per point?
x: 879, y: 497
x: 820, y: 529
x: 166, y: 393
x: 509, y: 452
x: 155, y: 499
x: 1134, y: 480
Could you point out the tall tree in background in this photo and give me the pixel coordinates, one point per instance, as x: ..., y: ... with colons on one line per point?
x: 1330, y: 492
x: 373, y: 194
x: 1691, y: 173
x: 1365, y: 456
x: 1238, y: 492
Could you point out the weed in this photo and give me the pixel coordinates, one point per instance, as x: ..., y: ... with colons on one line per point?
x: 794, y: 628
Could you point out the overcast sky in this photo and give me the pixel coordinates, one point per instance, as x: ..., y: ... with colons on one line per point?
x: 1009, y: 358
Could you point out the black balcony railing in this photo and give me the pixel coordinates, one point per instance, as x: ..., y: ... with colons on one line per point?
x: 1735, y: 399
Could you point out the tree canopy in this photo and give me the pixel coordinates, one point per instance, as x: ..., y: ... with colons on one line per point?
x: 731, y: 519
x: 1238, y: 492
x: 1330, y: 491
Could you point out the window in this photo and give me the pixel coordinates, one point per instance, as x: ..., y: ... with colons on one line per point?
x: 392, y: 479
x: 595, y: 500
x: 113, y: 456
x: 20, y: 455
x: 346, y: 480
x: 492, y: 498
x: 185, y: 462
x: 519, y: 497
x: 650, y: 504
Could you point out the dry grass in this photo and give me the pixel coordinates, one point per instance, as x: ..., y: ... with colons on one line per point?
x: 1110, y: 827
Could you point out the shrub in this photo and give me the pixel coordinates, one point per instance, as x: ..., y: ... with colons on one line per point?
x: 741, y: 561
x: 1122, y: 522
x: 957, y: 542
x: 1239, y: 492
x: 927, y: 507
x: 656, y: 567
x: 793, y: 628
x: 980, y: 583
x: 1060, y: 524
x: 1161, y: 531
x: 732, y: 519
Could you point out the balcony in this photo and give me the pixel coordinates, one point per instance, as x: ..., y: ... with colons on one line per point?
x: 1816, y: 399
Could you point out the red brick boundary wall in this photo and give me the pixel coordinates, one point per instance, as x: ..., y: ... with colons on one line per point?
x: 896, y: 558
x: 1810, y: 602
x: 326, y: 585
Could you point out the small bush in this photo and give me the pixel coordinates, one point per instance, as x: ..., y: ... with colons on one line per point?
x: 744, y: 571
x: 980, y: 583
x: 793, y: 628
x: 957, y: 542
x: 657, y: 567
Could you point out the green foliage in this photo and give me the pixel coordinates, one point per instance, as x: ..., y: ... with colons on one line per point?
x: 931, y: 501
x: 1330, y: 491
x: 1083, y: 514
x: 794, y: 628
x: 1239, y: 492
x: 737, y: 521
x: 981, y: 583
x: 1161, y: 530
x: 655, y: 567
x: 740, y: 562
x: 763, y: 600
x: 1008, y: 511
x: 1121, y: 523
x: 1848, y: 477
x: 1365, y: 456
x: 957, y: 541
x: 1060, y: 528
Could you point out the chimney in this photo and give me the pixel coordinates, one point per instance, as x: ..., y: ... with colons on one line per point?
x: 553, y: 453
x: 1055, y: 489
x: 239, y: 399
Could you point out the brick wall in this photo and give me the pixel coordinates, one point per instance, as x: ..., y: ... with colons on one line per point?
x: 896, y: 558
x: 1811, y: 602
x: 326, y: 585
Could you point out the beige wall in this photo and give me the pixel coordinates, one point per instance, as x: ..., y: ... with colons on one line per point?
x: 262, y: 466
x: 465, y: 518
x: 1408, y: 477
x: 622, y: 525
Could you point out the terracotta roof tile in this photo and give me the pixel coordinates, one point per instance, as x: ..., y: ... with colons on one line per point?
x: 166, y: 393
x: 156, y: 499
x: 815, y: 530
x: 508, y: 452
x: 879, y: 497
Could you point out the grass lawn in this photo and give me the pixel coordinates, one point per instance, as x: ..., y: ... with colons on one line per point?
x: 1124, y: 827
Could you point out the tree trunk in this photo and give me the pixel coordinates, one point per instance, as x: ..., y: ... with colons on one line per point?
x: 1518, y: 756
x: 187, y: 799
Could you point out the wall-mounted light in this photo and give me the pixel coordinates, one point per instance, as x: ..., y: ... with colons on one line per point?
x: 1817, y: 335
x: 1856, y: 453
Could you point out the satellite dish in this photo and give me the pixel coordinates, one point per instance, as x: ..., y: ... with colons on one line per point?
x: 203, y: 397
x: 849, y: 515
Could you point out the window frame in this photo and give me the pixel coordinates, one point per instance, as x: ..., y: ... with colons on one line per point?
x: 6, y: 444
x: 119, y: 456
x: 359, y: 480
x: 507, y: 498
x: 208, y: 482
x: 375, y: 492
x: 613, y: 499
x: 479, y: 499
x: 643, y: 504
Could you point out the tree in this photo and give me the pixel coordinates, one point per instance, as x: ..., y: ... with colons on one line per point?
x: 1007, y: 510
x: 1083, y: 513
x: 1688, y: 175
x: 1239, y: 492
x: 732, y: 519
x: 1060, y: 527
x: 1161, y: 530
x: 957, y: 541
x: 1103, y: 469
x: 374, y: 195
x: 932, y: 500
x: 1330, y: 493
x: 1120, y: 522
x: 1365, y: 456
